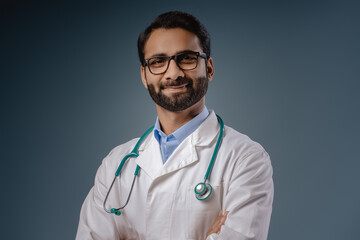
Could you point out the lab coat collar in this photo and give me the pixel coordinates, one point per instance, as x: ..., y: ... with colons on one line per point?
x: 207, y: 131
x: 149, y: 158
x: 185, y: 154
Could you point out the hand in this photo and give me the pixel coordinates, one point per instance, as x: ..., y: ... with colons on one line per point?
x: 219, y: 221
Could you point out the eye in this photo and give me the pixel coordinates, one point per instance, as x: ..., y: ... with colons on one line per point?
x: 187, y: 58
x: 157, y: 62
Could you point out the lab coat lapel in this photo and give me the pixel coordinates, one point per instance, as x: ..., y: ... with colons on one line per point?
x: 149, y: 158
x: 186, y: 153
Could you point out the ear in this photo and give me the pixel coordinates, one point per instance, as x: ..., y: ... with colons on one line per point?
x: 210, y: 69
x: 143, y: 76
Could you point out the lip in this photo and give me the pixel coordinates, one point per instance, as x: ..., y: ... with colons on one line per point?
x: 176, y: 89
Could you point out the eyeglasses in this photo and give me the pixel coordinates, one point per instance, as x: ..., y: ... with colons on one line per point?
x: 185, y: 61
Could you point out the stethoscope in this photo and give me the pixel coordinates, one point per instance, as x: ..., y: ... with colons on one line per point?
x: 202, y: 190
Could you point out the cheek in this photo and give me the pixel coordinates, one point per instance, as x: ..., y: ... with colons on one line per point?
x: 154, y: 81
x: 200, y: 71
x: 195, y: 74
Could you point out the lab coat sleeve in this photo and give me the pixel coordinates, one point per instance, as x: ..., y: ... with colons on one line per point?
x: 248, y: 198
x: 94, y: 222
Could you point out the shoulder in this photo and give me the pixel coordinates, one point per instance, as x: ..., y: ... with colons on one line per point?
x: 123, y: 148
x: 245, y: 159
x: 239, y: 146
x: 233, y: 137
x: 235, y: 146
x: 117, y: 154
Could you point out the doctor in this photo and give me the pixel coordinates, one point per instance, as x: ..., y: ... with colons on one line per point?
x: 161, y: 203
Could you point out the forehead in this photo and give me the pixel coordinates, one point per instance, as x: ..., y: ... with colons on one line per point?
x: 170, y: 42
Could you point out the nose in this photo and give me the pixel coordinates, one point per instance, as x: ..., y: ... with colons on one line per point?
x: 173, y: 71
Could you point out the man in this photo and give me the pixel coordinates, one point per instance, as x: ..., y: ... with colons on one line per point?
x: 165, y: 201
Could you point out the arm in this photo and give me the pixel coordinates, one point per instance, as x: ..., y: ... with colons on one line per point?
x: 248, y: 198
x: 94, y: 222
x: 219, y: 221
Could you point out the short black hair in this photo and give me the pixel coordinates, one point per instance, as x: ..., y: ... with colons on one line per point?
x: 175, y: 19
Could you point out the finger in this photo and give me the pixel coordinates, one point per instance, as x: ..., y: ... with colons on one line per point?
x: 219, y: 221
x: 217, y: 224
x: 225, y: 215
x: 219, y: 217
x: 222, y: 221
x: 223, y: 218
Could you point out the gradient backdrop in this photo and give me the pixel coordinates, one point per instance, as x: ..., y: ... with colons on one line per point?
x: 287, y: 75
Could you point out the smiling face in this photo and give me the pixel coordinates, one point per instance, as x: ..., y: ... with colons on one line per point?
x: 176, y: 89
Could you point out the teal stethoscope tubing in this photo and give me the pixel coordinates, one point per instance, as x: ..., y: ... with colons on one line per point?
x: 135, y: 153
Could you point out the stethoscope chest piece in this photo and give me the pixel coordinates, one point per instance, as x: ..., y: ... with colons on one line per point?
x: 202, y: 191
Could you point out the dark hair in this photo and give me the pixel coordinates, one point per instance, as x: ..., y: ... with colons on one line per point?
x: 175, y: 19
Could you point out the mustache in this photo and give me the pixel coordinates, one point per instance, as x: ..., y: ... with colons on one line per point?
x: 179, y: 81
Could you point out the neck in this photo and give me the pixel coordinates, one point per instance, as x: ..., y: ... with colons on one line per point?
x: 171, y: 121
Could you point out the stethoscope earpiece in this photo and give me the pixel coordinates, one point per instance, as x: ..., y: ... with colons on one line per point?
x: 202, y: 191
x: 115, y: 211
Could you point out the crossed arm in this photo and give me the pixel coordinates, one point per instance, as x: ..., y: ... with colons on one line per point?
x: 219, y: 221
x: 216, y: 227
x: 248, y: 200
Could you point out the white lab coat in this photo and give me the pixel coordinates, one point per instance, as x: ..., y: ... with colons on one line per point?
x: 163, y: 204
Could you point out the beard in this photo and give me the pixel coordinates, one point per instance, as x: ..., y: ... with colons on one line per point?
x: 180, y: 101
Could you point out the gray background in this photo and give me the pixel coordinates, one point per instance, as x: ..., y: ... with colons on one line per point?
x: 286, y: 74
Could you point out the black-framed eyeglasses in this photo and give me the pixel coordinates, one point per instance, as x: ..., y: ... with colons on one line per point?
x: 185, y: 61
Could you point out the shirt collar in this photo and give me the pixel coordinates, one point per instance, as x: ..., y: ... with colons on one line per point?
x: 185, y: 130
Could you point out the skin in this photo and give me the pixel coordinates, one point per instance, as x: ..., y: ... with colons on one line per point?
x: 216, y: 227
x: 171, y: 42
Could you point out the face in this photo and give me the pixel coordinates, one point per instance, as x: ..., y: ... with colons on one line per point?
x: 176, y: 89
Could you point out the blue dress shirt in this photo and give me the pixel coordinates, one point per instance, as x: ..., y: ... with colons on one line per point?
x: 168, y: 144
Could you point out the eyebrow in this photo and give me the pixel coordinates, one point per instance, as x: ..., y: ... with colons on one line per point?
x: 164, y: 55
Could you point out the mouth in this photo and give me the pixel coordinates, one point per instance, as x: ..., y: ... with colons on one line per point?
x: 176, y: 89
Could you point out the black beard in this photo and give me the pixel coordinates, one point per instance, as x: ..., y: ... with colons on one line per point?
x: 180, y: 101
